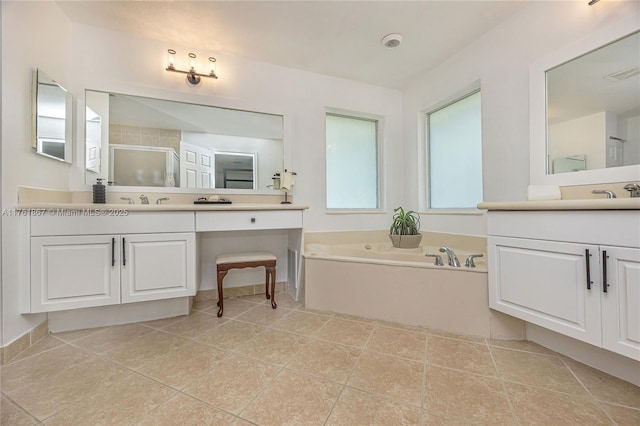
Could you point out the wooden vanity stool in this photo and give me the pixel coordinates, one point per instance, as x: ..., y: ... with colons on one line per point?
x: 226, y: 262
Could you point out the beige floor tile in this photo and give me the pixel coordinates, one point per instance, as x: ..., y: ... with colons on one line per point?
x: 605, y: 387
x: 263, y: 315
x: 403, y: 343
x: 389, y: 376
x: 182, y: 410
x: 254, y: 298
x: 301, y: 323
x: 42, y: 345
x: 293, y: 399
x: 325, y: 359
x: 401, y: 326
x: 123, y: 402
x: 346, y: 332
x: 433, y: 419
x: 284, y: 300
x: 232, y: 382
x: 466, y: 338
x: 201, y: 305
x: 536, y: 370
x: 11, y: 415
x: 475, y: 398
x: 356, y: 318
x: 234, y: 307
x: 194, y: 325
x: 230, y: 335
x: 109, y: 338
x: 623, y: 416
x: 184, y: 365
x: 274, y: 346
x: 145, y: 349
x: 460, y: 355
x: 67, y: 386
x: 355, y: 407
x: 521, y: 345
x: 35, y: 369
x: 71, y: 336
x: 164, y: 322
x: 545, y: 407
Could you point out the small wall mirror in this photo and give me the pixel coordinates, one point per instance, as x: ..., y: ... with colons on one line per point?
x: 146, y: 142
x: 593, y: 109
x: 52, y: 122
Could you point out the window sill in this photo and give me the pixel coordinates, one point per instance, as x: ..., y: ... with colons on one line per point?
x: 363, y: 211
x: 462, y: 212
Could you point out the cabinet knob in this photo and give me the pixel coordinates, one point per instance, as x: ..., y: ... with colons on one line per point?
x: 253, y: 220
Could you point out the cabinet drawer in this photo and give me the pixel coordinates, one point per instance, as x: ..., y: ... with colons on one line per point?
x: 246, y: 220
x: 82, y: 222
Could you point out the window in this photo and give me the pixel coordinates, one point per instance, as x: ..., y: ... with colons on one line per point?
x: 352, y: 162
x: 455, y: 154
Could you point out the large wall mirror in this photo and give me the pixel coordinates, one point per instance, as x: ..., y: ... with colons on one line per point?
x: 585, y: 112
x: 52, y: 122
x: 134, y: 141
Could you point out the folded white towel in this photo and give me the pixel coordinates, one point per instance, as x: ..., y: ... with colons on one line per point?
x: 286, y: 181
x: 543, y: 192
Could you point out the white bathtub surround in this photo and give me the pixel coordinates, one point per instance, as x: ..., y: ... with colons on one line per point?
x: 369, y: 278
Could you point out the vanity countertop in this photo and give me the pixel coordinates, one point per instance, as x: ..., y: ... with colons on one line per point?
x: 159, y: 208
x: 585, y: 204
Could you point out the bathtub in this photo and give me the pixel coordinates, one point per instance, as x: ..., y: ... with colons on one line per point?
x: 374, y: 280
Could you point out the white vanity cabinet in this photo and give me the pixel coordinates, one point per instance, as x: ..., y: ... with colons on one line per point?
x: 574, y: 272
x: 85, y: 261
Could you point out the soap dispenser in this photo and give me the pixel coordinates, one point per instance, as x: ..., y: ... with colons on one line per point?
x: 99, y: 192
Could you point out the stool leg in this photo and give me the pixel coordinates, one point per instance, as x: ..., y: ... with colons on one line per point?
x: 221, y: 275
x: 266, y: 282
x: 271, y: 271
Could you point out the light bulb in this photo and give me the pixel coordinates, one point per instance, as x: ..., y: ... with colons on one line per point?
x: 212, y: 66
x: 192, y: 61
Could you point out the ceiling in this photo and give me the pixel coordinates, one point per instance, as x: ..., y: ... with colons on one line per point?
x: 338, y: 38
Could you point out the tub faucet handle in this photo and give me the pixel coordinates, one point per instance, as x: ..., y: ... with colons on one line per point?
x: 469, y: 263
x: 438, y: 261
x: 128, y: 200
x: 453, y: 260
x: 633, y: 188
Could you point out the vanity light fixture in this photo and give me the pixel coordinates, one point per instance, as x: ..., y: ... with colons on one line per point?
x: 193, y: 77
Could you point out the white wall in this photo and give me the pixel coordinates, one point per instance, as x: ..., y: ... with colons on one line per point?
x: 101, y: 63
x: 500, y: 60
x: 34, y: 35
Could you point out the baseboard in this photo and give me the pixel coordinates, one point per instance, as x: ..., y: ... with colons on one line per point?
x: 23, y: 342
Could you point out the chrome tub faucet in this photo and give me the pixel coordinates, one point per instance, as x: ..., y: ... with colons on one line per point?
x: 610, y: 194
x: 453, y: 260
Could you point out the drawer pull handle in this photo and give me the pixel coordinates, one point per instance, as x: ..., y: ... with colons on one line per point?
x: 124, y: 255
x: 604, y: 271
x: 253, y: 220
x: 113, y: 251
x: 588, y: 263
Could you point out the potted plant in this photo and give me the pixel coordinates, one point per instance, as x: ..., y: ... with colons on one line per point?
x: 405, y: 229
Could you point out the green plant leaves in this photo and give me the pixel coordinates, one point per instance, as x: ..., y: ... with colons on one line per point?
x: 405, y: 223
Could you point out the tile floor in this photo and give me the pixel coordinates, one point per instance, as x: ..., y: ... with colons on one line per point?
x: 293, y: 366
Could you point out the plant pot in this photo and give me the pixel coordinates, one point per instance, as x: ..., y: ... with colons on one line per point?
x: 406, y: 241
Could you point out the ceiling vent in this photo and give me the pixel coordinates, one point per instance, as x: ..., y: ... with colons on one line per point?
x: 624, y: 74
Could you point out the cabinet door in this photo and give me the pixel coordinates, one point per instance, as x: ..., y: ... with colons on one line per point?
x: 621, y: 302
x: 74, y: 272
x: 157, y: 266
x: 545, y: 283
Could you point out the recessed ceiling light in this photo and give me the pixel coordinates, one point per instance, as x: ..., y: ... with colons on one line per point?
x: 391, y: 40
